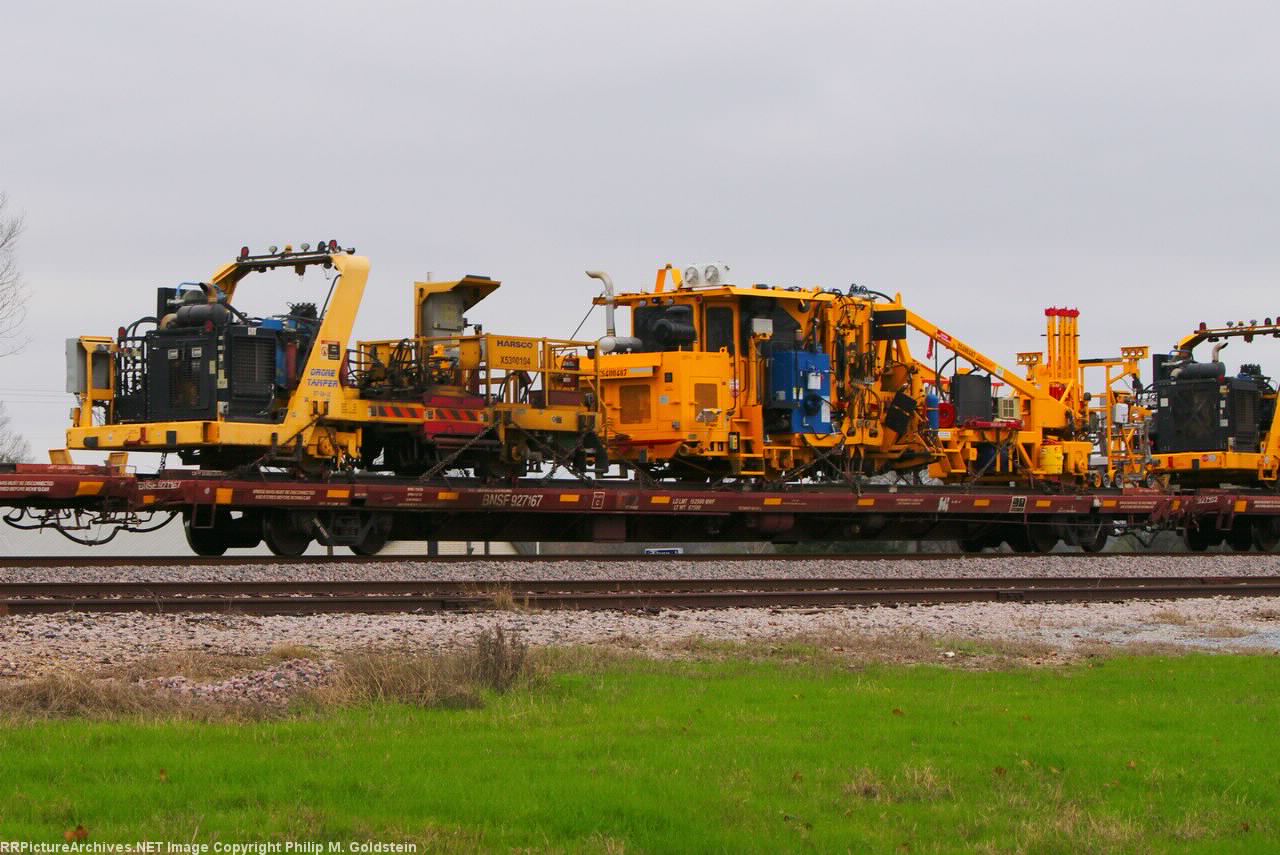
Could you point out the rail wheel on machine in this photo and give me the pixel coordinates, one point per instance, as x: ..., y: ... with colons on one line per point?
x: 284, y: 534
x: 204, y: 541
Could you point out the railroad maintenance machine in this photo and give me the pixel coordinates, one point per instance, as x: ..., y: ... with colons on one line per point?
x: 729, y: 413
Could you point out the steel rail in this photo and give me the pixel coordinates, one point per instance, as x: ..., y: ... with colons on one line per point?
x: 438, y: 596
x: 95, y: 561
x: 441, y: 587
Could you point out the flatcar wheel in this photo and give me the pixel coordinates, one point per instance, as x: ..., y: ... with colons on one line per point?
x: 1196, y: 538
x: 1240, y: 537
x: 283, y: 537
x: 1042, y: 537
x: 204, y: 541
x: 1266, y: 534
x: 374, y: 539
x: 1094, y: 539
x: 1017, y: 538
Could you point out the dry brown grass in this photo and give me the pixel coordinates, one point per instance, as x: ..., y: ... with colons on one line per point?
x: 434, y: 838
x: 193, y: 664
x: 1049, y: 821
x: 1224, y: 630
x: 1173, y: 617
x: 67, y: 695
x: 494, y: 662
x: 1090, y: 650
x: 60, y: 695
x: 500, y: 597
x: 503, y: 600
x: 909, y: 784
x: 842, y: 649
x: 1073, y: 826
x: 285, y: 652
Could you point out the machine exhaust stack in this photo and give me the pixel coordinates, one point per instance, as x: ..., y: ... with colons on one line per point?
x: 612, y: 342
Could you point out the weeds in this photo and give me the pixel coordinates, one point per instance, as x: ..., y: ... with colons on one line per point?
x: 495, y: 662
x: 910, y: 784
x: 194, y: 665
x: 62, y: 695
x: 1173, y: 617
x: 1222, y: 630
x: 836, y: 649
x: 500, y: 598
x: 285, y: 652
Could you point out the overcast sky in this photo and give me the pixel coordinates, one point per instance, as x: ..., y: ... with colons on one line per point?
x: 986, y: 159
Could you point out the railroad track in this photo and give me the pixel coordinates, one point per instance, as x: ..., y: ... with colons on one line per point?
x: 95, y: 561
x: 300, y: 598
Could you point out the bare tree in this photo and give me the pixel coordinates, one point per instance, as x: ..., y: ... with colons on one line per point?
x: 13, y: 448
x: 13, y: 291
x: 13, y: 311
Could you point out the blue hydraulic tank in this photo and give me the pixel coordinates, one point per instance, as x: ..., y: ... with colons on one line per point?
x: 800, y: 382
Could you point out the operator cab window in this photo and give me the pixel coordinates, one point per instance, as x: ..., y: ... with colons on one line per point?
x: 720, y: 333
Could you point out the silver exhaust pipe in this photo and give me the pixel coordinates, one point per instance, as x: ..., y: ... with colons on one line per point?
x: 611, y: 342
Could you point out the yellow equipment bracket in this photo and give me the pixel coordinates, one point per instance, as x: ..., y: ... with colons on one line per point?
x: 984, y: 362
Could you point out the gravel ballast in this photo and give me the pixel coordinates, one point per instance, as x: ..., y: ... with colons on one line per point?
x: 1066, y: 565
x: 36, y: 644
x: 32, y: 645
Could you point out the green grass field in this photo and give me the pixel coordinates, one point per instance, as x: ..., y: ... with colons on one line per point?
x: 1126, y: 754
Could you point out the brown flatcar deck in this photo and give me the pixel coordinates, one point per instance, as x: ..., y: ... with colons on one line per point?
x: 615, y: 511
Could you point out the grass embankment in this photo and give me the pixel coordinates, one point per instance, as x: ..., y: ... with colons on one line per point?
x: 1128, y: 754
